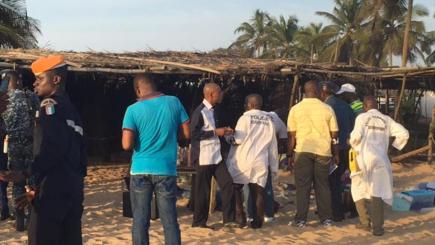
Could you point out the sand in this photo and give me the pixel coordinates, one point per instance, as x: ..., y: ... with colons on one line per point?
x: 103, y: 222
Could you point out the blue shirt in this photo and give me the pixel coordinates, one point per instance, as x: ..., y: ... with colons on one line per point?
x: 155, y: 122
x: 345, y: 119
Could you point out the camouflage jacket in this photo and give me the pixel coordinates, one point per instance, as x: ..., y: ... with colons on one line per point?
x: 20, y: 113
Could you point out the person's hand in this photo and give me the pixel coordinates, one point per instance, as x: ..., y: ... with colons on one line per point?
x: 229, y: 131
x: 2, y: 175
x: 336, y: 159
x: 223, y: 131
x: 291, y: 161
x: 24, y: 200
x: 14, y: 176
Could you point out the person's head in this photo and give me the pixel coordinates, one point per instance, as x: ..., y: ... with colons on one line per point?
x: 311, y: 89
x: 143, y: 85
x: 253, y: 101
x: 213, y: 93
x: 370, y: 103
x: 11, y: 80
x: 50, y: 73
x: 347, y: 92
x: 327, y: 89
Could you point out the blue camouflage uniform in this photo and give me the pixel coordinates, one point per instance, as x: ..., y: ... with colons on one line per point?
x: 19, y: 123
x: 59, y: 169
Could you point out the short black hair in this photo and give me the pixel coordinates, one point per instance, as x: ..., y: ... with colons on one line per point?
x: 144, y: 79
x: 61, y: 71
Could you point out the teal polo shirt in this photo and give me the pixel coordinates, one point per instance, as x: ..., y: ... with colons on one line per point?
x: 155, y: 122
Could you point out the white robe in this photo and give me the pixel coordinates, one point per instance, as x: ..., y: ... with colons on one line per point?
x: 255, y: 150
x: 370, y: 138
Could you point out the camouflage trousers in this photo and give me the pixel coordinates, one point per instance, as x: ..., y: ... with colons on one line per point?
x: 20, y: 156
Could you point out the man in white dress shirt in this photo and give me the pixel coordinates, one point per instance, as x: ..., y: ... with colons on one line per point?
x: 207, y: 159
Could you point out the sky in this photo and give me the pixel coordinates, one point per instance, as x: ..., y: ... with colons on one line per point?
x: 182, y: 25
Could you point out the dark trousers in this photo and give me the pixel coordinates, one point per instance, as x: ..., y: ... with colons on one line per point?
x: 269, y: 199
x: 202, y: 193
x: 257, y: 195
x: 311, y: 168
x: 374, y: 217
x: 336, y: 185
x: 3, y: 185
x: 56, y: 222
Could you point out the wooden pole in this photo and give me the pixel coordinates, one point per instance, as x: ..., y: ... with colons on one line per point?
x: 404, y: 55
x: 430, y: 137
x: 294, y: 90
x: 387, y: 103
x: 399, y: 99
x: 213, y: 190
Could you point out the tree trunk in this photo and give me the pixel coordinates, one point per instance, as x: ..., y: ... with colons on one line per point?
x: 406, y: 34
x: 404, y: 55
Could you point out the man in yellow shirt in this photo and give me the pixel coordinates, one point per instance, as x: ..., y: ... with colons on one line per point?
x: 313, y: 143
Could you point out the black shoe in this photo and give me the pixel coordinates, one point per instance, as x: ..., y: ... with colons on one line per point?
x: 255, y: 225
x: 203, y: 226
x: 338, y: 218
x: 378, y: 232
x: 4, y: 216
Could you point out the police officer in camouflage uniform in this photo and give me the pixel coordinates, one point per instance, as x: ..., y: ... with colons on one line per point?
x: 19, y: 123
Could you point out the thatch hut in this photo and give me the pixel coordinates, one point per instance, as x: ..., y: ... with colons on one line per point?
x: 100, y: 83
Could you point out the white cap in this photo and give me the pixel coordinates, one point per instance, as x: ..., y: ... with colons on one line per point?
x: 347, y: 87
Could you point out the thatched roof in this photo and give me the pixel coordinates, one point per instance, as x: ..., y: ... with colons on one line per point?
x: 218, y: 64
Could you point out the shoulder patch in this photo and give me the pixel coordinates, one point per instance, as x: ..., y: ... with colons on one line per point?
x: 49, y: 106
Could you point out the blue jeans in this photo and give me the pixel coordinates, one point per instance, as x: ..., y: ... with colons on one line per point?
x: 141, y: 191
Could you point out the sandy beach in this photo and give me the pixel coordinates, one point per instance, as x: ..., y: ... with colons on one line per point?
x: 103, y: 222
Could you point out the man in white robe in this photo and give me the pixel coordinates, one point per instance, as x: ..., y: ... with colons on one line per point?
x: 254, y: 151
x: 373, y: 180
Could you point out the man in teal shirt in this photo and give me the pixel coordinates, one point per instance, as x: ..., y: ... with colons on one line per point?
x: 151, y: 127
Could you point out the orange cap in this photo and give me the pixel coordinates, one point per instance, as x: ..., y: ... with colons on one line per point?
x: 50, y: 62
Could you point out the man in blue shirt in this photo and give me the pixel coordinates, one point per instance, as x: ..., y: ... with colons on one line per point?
x: 151, y: 127
x: 346, y: 121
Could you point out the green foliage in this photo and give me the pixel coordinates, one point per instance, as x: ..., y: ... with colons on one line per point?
x: 368, y: 32
x: 17, y: 30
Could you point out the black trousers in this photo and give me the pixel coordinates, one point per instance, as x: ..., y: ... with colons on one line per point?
x: 46, y: 228
x: 257, y: 193
x: 336, y: 185
x: 202, y: 193
x: 311, y: 168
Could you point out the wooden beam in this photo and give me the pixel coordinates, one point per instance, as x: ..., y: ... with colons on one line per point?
x: 410, y: 154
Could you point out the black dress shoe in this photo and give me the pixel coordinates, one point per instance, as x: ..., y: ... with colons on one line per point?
x: 203, y: 226
x: 4, y: 216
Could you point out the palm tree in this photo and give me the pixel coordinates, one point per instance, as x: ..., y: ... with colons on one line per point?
x: 347, y: 20
x: 16, y: 28
x: 254, y: 34
x: 311, y: 41
x: 281, y: 37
